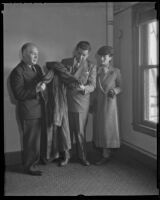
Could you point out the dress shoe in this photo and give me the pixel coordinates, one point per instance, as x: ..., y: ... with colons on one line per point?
x: 102, y: 161
x: 50, y: 160
x: 84, y: 162
x: 33, y: 173
x: 43, y: 161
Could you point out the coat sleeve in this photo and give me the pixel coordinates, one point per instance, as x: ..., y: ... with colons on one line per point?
x: 20, y: 92
x: 93, y: 101
x: 91, y: 83
x: 74, y: 83
x: 118, y: 87
x: 67, y: 66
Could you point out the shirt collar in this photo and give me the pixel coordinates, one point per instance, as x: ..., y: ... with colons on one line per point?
x: 104, y: 69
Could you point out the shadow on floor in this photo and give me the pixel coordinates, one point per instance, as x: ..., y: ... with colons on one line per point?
x: 15, y: 168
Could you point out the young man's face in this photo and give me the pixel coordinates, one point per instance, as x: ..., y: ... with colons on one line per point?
x: 30, y: 55
x: 81, y: 54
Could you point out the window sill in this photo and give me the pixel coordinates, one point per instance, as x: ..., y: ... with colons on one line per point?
x: 145, y: 129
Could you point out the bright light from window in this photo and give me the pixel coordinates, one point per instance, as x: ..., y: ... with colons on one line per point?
x: 150, y: 94
x: 152, y: 43
x: 150, y: 75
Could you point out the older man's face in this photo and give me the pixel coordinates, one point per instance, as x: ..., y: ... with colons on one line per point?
x: 30, y: 55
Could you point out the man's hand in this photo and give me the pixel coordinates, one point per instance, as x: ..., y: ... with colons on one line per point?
x: 81, y: 89
x: 111, y: 93
x: 43, y: 86
x: 40, y: 87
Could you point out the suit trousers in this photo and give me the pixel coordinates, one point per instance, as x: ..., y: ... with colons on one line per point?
x: 77, y: 124
x: 31, y: 142
x: 58, y: 141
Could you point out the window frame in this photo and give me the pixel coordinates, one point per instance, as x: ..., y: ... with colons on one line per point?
x: 141, y: 13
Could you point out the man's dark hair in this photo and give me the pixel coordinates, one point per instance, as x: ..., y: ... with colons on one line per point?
x: 26, y: 45
x: 84, y: 45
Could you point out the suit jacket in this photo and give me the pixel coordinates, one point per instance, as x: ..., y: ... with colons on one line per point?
x: 78, y: 101
x: 23, y: 82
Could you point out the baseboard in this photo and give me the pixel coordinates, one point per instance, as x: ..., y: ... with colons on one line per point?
x: 147, y: 153
x: 138, y: 154
x: 13, y: 158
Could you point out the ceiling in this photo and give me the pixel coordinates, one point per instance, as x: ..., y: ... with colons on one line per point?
x: 119, y: 6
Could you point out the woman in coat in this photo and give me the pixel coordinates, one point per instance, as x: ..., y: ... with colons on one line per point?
x: 106, y: 128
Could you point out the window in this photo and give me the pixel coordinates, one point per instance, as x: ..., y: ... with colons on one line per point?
x: 145, y: 69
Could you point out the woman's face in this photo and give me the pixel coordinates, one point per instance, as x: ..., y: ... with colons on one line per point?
x: 104, y: 60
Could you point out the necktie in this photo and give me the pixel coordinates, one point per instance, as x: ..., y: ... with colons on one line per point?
x: 75, y: 68
x: 33, y: 68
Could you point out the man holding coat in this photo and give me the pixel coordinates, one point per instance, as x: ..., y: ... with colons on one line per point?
x: 25, y: 84
x: 79, y: 98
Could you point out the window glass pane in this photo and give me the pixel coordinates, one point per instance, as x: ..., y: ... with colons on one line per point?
x: 148, y: 43
x: 152, y: 43
x: 150, y: 95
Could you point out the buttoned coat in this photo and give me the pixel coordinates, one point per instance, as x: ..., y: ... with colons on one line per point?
x: 105, y: 118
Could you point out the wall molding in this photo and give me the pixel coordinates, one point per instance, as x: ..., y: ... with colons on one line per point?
x: 145, y: 152
x: 139, y: 155
x: 13, y: 158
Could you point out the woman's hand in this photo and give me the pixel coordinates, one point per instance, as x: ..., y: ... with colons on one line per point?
x: 111, y: 93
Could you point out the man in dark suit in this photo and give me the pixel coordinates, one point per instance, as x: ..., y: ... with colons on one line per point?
x: 79, y: 97
x: 25, y: 84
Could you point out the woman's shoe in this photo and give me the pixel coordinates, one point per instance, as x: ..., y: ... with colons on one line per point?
x: 64, y: 162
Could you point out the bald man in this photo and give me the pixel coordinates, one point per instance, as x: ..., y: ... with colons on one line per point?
x: 25, y: 84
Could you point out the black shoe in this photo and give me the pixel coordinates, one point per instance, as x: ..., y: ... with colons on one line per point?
x: 50, y: 160
x: 43, y: 161
x: 33, y: 173
x: 84, y: 162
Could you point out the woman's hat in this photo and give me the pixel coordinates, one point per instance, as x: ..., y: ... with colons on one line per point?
x: 105, y: 50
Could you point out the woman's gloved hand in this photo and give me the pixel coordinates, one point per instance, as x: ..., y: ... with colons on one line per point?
x: 111, y: 93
